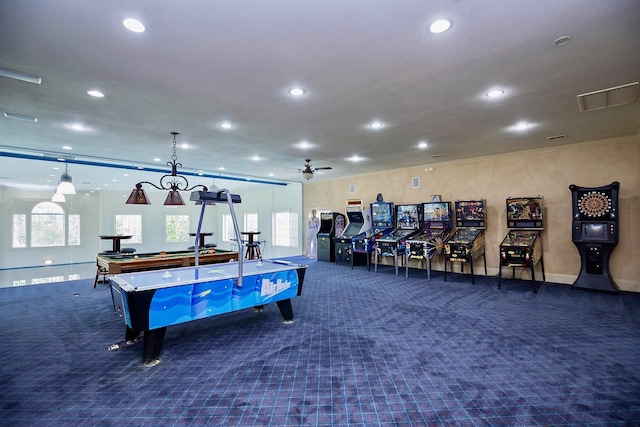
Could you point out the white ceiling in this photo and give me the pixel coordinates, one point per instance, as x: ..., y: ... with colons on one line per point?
x: 202, y: 62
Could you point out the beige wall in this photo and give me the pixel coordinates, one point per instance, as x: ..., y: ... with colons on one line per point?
x: 545, y: 172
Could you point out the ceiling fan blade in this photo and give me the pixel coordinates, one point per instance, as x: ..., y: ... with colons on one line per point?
x: 323, y: 168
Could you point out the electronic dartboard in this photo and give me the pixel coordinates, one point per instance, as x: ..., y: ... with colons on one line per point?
x: 594, y: 204
x: 595, y: 234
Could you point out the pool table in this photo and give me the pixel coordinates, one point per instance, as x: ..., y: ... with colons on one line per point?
x: 126, y: 263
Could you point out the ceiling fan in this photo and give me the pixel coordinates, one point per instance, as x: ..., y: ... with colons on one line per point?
x: 308, y: 170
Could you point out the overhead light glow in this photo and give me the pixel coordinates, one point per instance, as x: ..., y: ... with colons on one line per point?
x: 133, y: 25
x: 376, y: 125
x: 304, y: 145
x: 495, y: 93
x: 96, y: 93
x: 440, y: 26
x: 296, y: 91
x: 226, y: 125
x: 422, y: 145
x: 67, y: 147
x: 77, y: 126
x: 355, y: 158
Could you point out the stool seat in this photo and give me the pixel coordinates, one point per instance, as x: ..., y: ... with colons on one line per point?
x: 109, y: 253
x: 127, y: 250
x: 210, y: 245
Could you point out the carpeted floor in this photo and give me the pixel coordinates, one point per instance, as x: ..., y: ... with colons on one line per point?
x: 365, y: 349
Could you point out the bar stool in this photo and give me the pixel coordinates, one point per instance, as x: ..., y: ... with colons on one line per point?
x: 253, y: 251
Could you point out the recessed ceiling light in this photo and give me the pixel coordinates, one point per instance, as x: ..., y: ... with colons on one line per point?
x: 296, y: 91
x: 271, y: 174
x: 67, y: 147
x: 77, y: 126
x: 185, y: 145
x: 221, y: 168
x: 422, y: 145
x: 355, y: 158
x: 304, y: 145
x: 376, y: 125
x: 440, y: 26
x: 256, y: 158
x: 560, y: 41
x: 495, y: 93
x: 96, y: 93
x: 226, y: 125
x: 157, y: 159
x: 521, y: 126
x: 133, y: 25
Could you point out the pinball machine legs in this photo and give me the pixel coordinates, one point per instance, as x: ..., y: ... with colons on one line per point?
x: 532, y: 267
x: 473, y: 279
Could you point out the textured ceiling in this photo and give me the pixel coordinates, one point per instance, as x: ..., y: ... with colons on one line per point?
x: 201, y: 62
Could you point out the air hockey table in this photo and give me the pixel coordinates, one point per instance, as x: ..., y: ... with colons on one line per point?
x: 150, y: 301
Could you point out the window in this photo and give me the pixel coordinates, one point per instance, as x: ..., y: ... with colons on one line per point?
x: 47, y: 225
x: 177, y: 228
x: 129, y: 225
x: 251, y: 222
x: 19, y: 231
x: 73, y: 228
x: 228, y: 232
x: 285, y: 229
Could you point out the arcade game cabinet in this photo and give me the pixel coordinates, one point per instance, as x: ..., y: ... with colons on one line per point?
x: 382, y: 219
x: 359, y: 221
x: 436, y: 229
x: 331, y: 224
x: 522, y: 246
x: 408, y: 223
x: 595, y: 234
x: 467, y: 243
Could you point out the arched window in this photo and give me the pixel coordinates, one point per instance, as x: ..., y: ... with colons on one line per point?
x: 47, y: 225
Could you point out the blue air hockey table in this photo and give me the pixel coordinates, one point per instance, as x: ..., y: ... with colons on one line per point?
x: 150, y: 301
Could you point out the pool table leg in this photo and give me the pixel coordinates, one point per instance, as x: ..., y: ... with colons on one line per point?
x: 286, y: 310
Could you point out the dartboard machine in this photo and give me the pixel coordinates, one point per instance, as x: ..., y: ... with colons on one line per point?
x: 331, y: 224
x: 595, y: 234
x: 522, y: 246
x: 436, y: 229
x: 467, y: 243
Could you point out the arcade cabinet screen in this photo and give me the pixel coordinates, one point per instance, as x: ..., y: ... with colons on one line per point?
x: 594, y: 231
x: 326, y: 223
x: 382, y: 214
x: 408, y: 217
x: 437, y: 212
x: 470, y: 213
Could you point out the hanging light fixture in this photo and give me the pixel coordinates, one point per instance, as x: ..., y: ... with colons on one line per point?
x: 172, y: 182
x: 58, y: 198
x: 65, y: 185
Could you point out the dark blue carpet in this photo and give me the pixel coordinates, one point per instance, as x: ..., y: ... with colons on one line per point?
x: 366, y: 349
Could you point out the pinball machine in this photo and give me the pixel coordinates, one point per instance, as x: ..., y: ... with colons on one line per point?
x: 522, y: 246
x: 467, y: 243
x: 382, y: 220
x: 359, y: 222
x: 435, y: 230
x: 331, y: 225
x: 595, y: 234
x: 408, y: 224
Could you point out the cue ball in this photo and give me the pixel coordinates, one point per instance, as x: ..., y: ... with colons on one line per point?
x: 135, y: 257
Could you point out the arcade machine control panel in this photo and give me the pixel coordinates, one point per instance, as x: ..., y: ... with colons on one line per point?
x: 382, y: 220
x: 359, y: 221
x: 522, y: 246
x: 408, y: 223
x: 467, y: 243
x: 595, y: 234
x: 331, y: 224
x: 436, y: 228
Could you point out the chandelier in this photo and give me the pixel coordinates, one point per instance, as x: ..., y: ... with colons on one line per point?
x: 172, y: 182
